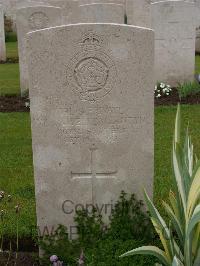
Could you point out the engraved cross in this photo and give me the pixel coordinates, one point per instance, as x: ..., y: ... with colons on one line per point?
x: 93, y: 174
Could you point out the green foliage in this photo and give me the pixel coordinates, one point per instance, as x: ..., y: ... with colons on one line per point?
x: 197, y: 64
x: 12, y: 52
x: 9, y: 79
x: 59, y: 244
x: 181, y: 238
x: 16, y: 171
x: 129, y: 222
x: 10, y: 37
x: 188, y: 88
x: 9, y: 207
x: 102, y: 244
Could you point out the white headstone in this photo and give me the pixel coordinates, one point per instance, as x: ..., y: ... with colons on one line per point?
x: 69, y: 12
x: 91, y: 91
x: 18, y: 4
x: 31, y: 19
x: 174, y: 25
x: 85, y: 2
x: 198, y: 26
x: 101, y: 13
x: 2, y: 36
x: 139, y: 13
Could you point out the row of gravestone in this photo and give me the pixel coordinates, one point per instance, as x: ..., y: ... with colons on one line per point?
x: 173, y: 22
x: 92, y: 102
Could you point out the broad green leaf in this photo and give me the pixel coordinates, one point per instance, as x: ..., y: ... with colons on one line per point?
x: 156, y: 215
x: 195, y: 219
x: 183, y: 163
x: 149, y: 250
x: 188, y: 153
x: 175, y: 221
x: 194, y: 193
x: 190, y: 156
x: 177, y: 125
x: 197, y: 258
x: 175, y: 250
x: 164, y: 240
x: 196, y: 239
x: 179, y: 180
x: 177, y: 262
x: 174, y: 204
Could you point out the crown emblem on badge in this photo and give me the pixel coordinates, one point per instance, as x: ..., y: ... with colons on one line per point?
x: 91, y: 72
x: 91, y: 40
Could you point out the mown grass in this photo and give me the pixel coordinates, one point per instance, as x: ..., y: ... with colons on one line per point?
x: 9, y: 73
x: 11, y: 50
x: 16, y: 170
x: 197, y: 63
x: 9, y: 79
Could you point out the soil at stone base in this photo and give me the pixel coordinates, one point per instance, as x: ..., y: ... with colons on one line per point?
x: 13, y: 104
x: 23, y: 259
x: 173, y: 99
x: 18, y: 104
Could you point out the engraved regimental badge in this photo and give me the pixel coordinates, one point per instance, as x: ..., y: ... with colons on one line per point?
x: 91, y: 72
x: 38, y: 20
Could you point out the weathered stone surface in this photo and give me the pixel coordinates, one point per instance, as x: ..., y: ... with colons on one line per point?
x: 22, y: 4
x: 69, y: 12
x: 31, y: 19
x: 198, y: 26
x: 139, y: 12
x: 85, y: 2
x: 174, y: 25
x: 2, y: 36
x: 91, y: 92
x: 101, y: 13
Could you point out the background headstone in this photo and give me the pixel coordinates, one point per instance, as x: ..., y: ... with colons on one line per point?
x: 15, y: 5
x: 101, y: 13
x: 85, y: 2
x: 31, y: 19
x: 139, y: 12
x: 174, y: 25
x: 91, y: 91
x: 198, y: 26
x: 2, y: 36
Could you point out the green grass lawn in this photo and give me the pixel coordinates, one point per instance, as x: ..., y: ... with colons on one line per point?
x: 9, y: 73
x: 11, y: 50
x: 197, y: 64
x: 16, y: 172
x: 9, y: 79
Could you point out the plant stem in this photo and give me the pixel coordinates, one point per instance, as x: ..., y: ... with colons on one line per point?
x: 9, y: 253
x: 17, y: 242
x: 2, y: 238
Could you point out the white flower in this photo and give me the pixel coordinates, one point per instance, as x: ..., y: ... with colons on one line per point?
x: 156, y: 87
x: 27, y: 104
x: 158, y: 96
x: 167, y: 93
x: 162, y: 85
